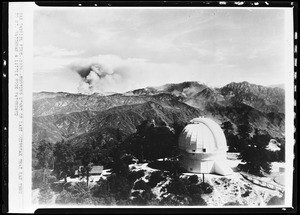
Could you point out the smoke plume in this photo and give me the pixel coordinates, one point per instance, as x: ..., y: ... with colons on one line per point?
x: 110, y: 73
x: 96, y: 77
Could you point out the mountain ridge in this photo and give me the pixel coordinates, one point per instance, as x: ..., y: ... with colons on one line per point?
x: 66, y: 116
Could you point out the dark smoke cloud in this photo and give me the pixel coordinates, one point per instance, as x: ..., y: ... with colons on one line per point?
x: 109, y: 73
x: 85, y: 70
x: 96, y: 77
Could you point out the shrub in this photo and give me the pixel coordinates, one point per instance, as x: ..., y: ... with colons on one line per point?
x: 109, y: 200
x: 193, y: 179
x: 143, y: 198
x: 57, y: 187
x: 216, y: 182
x: 45, y: 194
x: 123, y: 202
x: 197, y: 200
x: 153, y: 202
x: 135, y: 193
x: 195, y: 189
x: 66, y: 186
x: 35, y: 162
x: 51, y: 179
x: 147, y: 194
x: 76, y: 188
x: 169, y: 201
x: 101, y: 189
x: 141, y: 185
x: 134, y: 175
x: 206, y: 188
x: 77, y: 194
x: 128, y: 159
x: 38, y: 177
x: 185, y: 191
x: 155, y: 178
x: 65, y: 197
x: 175, y: 200
x: 247, y: 192
x: 177, y: 187
x: 232, y: 203
x: 139, y: 200
x: 120, y: 187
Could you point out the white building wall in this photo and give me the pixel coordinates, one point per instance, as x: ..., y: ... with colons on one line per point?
x: 203, y: 162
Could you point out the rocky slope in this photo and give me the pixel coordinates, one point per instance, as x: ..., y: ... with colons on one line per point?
x: 265, y: 99
x: 124, y: 118
x: 78, y: 117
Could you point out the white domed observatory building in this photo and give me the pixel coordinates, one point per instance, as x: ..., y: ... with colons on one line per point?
x: 204, y: 147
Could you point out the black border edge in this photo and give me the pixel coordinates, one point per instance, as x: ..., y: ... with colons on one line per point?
x: 164, y: 3
x: 295, y: 200
x: 5, y: 122
x: 241, y: 210
x: 282, y: 210
x: 4, y: 100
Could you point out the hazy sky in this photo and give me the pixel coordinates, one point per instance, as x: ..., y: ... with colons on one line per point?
x: 134, y: 48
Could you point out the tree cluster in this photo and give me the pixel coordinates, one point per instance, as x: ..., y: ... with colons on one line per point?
x: 151, y: 142
x: 252, y: 146
x: 186, y: 191
x: 53, y: 162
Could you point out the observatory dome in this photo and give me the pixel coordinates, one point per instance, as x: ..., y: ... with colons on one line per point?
x: 203, y: 145
x: 202, y: 135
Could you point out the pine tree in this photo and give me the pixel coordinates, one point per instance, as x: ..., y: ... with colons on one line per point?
x: 85, y: 155
x: 227, y: 127
x: 64, y: 159
x: 244, y: 131
x: 44, y: 155
x: 255, y: 155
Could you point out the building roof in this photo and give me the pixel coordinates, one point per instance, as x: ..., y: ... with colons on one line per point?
x: 202, y: 135
x: 96, y: 170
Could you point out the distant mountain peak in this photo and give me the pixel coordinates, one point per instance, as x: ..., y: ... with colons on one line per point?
x: 63, y: 115
x: 266, y: 99
x: 281, y: 86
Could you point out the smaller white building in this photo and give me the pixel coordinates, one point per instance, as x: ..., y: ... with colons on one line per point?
x: 204, y: 147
